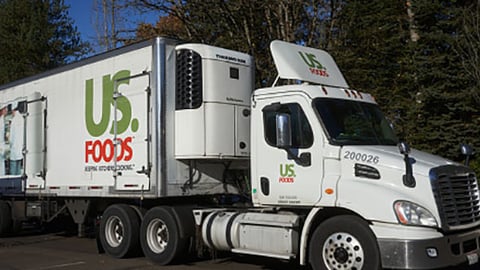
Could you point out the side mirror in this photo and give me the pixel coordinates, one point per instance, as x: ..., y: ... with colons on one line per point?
x: 391, y: 125
x: 284, y: 130
x: 404, y: 148
x: 467, y: 151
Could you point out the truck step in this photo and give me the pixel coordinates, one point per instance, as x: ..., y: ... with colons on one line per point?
x: 263, y: 253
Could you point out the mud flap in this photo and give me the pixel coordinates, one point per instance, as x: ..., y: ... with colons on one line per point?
x: 100, y: 249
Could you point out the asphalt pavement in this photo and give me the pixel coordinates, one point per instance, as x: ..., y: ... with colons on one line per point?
x: 39, y: 251
x: 36, y: 250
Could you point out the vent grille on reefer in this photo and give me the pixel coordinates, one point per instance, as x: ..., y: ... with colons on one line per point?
x: 188, y: 80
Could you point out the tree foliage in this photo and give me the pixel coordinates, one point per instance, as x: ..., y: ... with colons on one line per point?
x: 418, y: 58
x: 446, y: 112
x: 467, y: 47
x: 35, y: 36
x: 244, y: 25
x: 406, y: 54
x: 373, y: 50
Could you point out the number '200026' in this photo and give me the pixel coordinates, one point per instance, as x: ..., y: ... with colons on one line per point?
x: 361, y: 157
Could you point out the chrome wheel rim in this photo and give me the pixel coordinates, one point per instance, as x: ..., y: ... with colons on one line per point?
x: 343, y: 251
x: 157, y: 235
x: 114, y: 231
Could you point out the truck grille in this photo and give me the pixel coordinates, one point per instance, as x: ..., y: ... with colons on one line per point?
x: 456, y: 192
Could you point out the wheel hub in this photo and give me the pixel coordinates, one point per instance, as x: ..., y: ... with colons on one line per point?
x: 343, y: 251
x: 157, y: 235
x: 341, y: 255
x: 114, y: 231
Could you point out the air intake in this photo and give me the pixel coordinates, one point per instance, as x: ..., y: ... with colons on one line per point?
x: 366, y: 171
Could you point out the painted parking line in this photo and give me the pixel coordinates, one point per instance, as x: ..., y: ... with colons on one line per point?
x: 61, y: 265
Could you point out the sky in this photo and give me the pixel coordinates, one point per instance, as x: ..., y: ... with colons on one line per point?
x: 82, y: 13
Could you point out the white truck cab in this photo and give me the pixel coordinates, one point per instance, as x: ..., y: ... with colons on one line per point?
x: 324, y: 146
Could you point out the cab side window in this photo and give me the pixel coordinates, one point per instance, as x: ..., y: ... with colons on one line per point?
x: 302, y: 135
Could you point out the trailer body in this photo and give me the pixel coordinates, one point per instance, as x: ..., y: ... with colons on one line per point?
x: 104, y: 127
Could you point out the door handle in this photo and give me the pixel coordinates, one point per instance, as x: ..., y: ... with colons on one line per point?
x: 265, y: 186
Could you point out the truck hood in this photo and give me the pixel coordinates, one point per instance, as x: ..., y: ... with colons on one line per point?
x: 390, y: 157
x: 377, y: 172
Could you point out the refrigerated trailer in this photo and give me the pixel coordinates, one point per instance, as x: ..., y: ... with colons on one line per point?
x: 170, y: 150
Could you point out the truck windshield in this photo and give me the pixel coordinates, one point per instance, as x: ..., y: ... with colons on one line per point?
x: 354, y: 123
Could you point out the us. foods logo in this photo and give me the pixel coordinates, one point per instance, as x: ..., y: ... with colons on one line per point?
x: 104, y: 150
x: 314, y: 65
x: 287, y: 173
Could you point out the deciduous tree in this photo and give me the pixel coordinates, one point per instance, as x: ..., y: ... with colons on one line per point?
x: 245, y: 25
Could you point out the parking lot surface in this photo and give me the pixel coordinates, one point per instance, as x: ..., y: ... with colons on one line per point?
x: 61, y: 251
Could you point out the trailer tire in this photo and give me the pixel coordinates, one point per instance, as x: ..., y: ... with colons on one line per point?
x: 119, y: 231
x: 6, y: 221
x: 344, y: 242
x: 160, y: 236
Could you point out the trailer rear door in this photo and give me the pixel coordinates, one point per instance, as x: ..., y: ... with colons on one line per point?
x: 35, y: 141
x: 132, y: 111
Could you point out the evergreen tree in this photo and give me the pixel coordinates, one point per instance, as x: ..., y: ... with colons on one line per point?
x: 36, y: 35
x: 373, y: 51
x: 467, y: 47
x: 445, y: 118
x: 403, y: 52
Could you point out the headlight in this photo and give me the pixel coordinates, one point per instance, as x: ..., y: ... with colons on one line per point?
x: 409, y: 213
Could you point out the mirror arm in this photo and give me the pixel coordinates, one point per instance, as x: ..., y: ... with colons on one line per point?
x: 304, y: 159
x: 408, y: 178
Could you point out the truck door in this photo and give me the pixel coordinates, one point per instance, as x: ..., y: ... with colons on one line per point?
x: 284, y: 178
x: 131, y: 132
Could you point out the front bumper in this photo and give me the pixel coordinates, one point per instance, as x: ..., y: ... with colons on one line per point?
x: 461, y: 248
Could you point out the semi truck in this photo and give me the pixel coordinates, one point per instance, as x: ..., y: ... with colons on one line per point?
x: 167, y: 147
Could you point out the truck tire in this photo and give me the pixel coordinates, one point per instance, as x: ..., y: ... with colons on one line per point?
x: 344, y: 242
x: 119, y: 231
x: 160, y: 236
x: 6, y: 222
